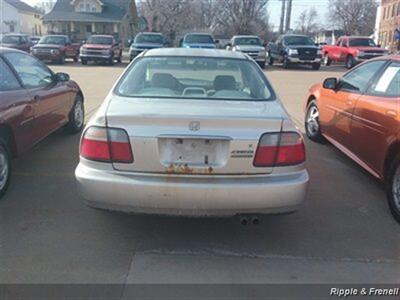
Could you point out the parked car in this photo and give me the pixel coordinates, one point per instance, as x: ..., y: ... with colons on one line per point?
x: 292, y: 49
x: 145, y: 41
x: 16, y: 41
x: 56, y: 48
x: 35, y: 39
x: 360, y: 115
x: 251, y: 45
x: 34, y: 103
x: 198, y: 40
x: 101, y: 48
x: 192, y: 132
x: 352, y: 50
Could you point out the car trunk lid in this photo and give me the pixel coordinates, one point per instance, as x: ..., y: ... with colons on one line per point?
x: 194, y: 136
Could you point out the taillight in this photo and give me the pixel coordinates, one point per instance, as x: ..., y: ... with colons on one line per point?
x: 106, y: 145
x: 280, y: 149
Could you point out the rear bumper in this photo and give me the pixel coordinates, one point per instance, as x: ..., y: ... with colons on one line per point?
x: 192, y: 195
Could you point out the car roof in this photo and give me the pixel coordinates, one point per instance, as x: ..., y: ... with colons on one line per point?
x: 198, y: 33
x: 245, y: 36
x: 102, y: 35
x: 287, y: 35
x: 60, y: 35
x: 395, y: 57
x: 194, y: 52
x: 14, y: 34
x: 151, y: 33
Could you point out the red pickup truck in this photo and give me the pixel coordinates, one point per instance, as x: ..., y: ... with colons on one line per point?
x: 56, y: 48
x: 101, y: 48
x: 351, y: 50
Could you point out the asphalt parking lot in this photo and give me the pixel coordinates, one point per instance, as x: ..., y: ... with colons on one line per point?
x: 344, y: 233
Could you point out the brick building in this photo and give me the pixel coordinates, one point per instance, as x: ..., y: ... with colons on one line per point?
x: 389, y: 25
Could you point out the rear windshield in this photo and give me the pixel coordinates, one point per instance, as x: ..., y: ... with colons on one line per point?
x: 298, y: 41
x: 10, y: 39
x: 362, y: 43
x: 247, y: 42
x: 195, y: 78
x: 54, y: 40
x: 149, y: 38
x: 100, y: 40
x: 199, y: 39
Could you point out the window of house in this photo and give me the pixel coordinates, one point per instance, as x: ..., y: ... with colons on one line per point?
x: 88, y: 28
x: 82, y: 7
x: 94, y: 7
x: 393, y: 10
x: 12, y: 28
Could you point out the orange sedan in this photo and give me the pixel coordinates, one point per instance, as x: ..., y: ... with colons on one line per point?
x: 360, y: 114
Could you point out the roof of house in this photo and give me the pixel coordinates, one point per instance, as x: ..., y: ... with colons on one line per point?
x: 22, y: 6
x: 113, y: 11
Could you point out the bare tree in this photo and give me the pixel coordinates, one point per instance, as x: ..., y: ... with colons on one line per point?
x: 353, y: 16
x: 222, y: 17
x: 307, y: 22
x: 241, y: 16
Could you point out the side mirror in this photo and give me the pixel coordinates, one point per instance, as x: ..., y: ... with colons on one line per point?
x: 330, y: 83
x: 379, y: 46
x: 62, y: 77
x: 217, y: 41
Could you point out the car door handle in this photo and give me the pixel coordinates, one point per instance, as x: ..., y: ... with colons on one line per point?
x: 391, y: 113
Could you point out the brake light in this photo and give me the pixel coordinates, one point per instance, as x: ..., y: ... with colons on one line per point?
x: 106, y: 145
x: 280, y: 149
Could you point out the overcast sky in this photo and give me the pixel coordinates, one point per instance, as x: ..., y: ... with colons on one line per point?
x: 275, y: 9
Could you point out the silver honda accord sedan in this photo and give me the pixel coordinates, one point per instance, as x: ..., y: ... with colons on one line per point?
x: 192, y: 132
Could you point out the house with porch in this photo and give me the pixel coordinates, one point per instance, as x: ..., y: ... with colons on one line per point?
x: 82, y: 18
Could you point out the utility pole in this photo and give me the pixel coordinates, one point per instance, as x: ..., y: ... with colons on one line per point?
x: 281, y: 26
x: 288, y: 15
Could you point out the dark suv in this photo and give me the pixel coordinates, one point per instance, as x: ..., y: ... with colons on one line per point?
x: 145, y: 41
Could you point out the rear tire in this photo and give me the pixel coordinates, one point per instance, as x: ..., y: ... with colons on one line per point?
x: 110, y: 61
x: 312, y: 125
x: 393, y: 189
x: 5, y: 167
x: 286, y: 62
x: 271, y: 60
x: 62, y: 59
x: 327, y: 60
x: 316, y: 67
x: 350, y: 62
x: 76, y: 116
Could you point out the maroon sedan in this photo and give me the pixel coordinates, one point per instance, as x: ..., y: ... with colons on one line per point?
x: 34, y: 103
x: 17, y: 41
